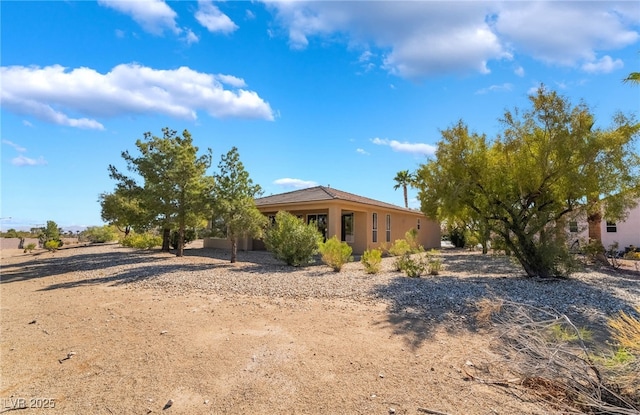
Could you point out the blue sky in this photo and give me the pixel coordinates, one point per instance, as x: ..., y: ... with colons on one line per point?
x: 336, y: 93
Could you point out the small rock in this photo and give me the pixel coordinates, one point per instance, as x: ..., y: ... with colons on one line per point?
x: 168, y: 404
x: 164, y: 332
x: 392, y: 410
x: 206, y: 401
x: 381, y: 375
x: 468, y: 363
x: 32, y: 322
x: 373, y: 395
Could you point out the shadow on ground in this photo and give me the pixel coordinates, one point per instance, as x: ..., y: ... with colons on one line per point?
x: 420, y: 306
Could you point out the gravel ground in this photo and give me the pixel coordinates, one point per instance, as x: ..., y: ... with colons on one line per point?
x: 145, y: 327
x: 467, y: 277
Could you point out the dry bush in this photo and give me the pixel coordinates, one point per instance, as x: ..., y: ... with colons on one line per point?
x: 559, y: 369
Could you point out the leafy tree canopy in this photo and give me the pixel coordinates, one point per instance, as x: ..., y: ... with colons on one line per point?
x: 234, y: 204
x: 522, y: 184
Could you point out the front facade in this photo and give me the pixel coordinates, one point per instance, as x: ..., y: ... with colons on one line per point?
x: 361, y: 222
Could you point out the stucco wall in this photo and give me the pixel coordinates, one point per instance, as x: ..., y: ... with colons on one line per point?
x: 627, y: 231
x: 14, y: 243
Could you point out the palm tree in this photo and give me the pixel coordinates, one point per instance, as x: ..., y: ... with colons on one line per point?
x: 633, y: 78
x: 403, y: 179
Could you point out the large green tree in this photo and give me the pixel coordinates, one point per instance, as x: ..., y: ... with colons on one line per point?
x: 234, y: 204
x: 403, y: 180
x: 525, y: 182
x: 175, y: 191
x: 123, y: 209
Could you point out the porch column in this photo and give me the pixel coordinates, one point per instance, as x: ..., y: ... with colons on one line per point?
x: 334, y: 220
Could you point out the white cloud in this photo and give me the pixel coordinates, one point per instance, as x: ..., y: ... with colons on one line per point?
x: 362, y: 151
x: 209, y: 16
x: 294, y: 183
x: 604, y: 65
x: 191, y: 37
x: 519, y: 71
x: 424, y: 38
x: 572, y: 31
x: 17, y: 147
x: 155, y: 16
x: 26, y: 161
x: 495, y: 88
x: 231, y: 80
x: 26, y: 123
x: 406, y: 147
x: 53, y: 93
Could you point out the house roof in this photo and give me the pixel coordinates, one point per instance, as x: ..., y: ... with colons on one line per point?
x: 323, y: 193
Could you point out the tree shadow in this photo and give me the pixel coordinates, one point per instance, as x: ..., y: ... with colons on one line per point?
x: 419, y: 307
x: 146, y: 272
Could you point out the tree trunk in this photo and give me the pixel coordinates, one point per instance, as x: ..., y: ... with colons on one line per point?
x: 234, y: 250
x: 180, y: 250
x: 406, y: 200
x: 594, y: 219
x: 166, y: 239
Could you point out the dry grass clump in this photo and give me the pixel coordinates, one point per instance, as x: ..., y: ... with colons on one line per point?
x: 552, y: 358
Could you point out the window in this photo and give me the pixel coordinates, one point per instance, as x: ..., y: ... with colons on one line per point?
x: 374, y: 237
x: 612, y: 227
x: 321, y: 222
x: 347, y: 227
x: 573, y: 227
x: 272, y: 219
x: 388, y: 228
x: 418, y: 225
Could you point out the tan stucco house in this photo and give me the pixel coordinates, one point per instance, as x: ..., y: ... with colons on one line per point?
x: 361, y: 222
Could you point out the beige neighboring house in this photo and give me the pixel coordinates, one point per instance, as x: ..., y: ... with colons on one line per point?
x: 625, y: 233
x: 361, y: 222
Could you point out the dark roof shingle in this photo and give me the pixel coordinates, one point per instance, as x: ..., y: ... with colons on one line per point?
x: 319, y: 193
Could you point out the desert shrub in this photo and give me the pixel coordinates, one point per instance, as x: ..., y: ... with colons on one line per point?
x: 457, y: 236
x: 434, y: 262
x: 548, y: 354
x: 335, y: 253
x: 189, y: 236
x: 291, y: 240
x: 372, y: 260
x: 141, y: 241
x: 411, y: 236
x: 400, y: 247
x: 30, y: 247
x: 52, y: 245
x: 413, y: 267
x: 632, y: 255
x: 100, y: 234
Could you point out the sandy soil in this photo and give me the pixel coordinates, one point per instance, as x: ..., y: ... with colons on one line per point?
x: 73, y: 348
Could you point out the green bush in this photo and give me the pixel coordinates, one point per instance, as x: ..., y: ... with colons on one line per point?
x: 141, y: 241
x: 52, y: 245
x: 372, y: 260
x: 412, y: 267
x: 30, y: 247
x: 400, y: 247
x: 189, y: 236
x: 632, y: 255
x: 335, y: 253
x: 291, y: 240
x: 411, y: 236
x: 458, y: 237
x: 434, y: 263
x: 100, y: 234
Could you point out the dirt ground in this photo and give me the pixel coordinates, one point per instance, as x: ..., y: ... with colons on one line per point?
x: 118, y: 349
